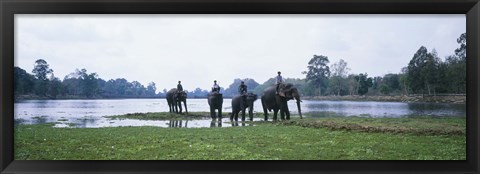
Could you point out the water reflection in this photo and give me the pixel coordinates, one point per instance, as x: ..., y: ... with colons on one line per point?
x: 235, y: 123
x: 178, y: 123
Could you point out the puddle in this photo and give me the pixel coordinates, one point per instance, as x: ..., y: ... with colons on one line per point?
x: 104, y: 122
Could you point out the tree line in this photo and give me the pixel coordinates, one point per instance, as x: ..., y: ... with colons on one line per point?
x: 426, y: 73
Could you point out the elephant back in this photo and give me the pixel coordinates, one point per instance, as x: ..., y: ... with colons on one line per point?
x: 181, y: 94
x: 252, y: 96
x: 215, y: 94
x: 172, y: 91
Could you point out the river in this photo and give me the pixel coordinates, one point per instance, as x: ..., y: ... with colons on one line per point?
x: 89, y: 113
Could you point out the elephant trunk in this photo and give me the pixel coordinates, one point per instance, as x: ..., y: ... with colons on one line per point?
x: 297, y: 97
x: 185, y: 103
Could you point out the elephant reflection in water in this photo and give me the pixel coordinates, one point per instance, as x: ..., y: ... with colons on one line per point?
x: 214, y: 123
x: 235, y: 124
x: 177, y: 123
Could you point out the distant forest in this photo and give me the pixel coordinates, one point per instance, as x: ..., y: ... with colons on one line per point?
x: 425, y: 74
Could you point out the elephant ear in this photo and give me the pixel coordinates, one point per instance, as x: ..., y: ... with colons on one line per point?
x: 284, y: 89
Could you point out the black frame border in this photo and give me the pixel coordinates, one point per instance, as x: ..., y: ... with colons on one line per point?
x: 10, y: 7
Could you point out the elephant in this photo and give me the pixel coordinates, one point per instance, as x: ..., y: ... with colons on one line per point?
x: 241, y: 103
x: 215, y: 101
x: 175, y: 99
x: 270, y: 100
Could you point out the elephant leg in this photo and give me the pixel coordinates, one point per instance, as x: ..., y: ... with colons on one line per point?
x: 220, y: 112
x: 250, y: 112
x: 265, y: 112
x: 275, y: 112
x: 212, y: 112
x: 180, y: 106
x: 282, y: 113
x: 287, y: 111
x: 243, y: 114
x: 236, y: 115
x: 212, y: 123
x: 174, y: 107
x: 185, y: 103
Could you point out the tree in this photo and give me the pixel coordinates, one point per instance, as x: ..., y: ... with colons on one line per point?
x: 430, y: 71
x: 318, y: 71
x: 461, y: 52
x: 55, y: 87
x: 151, y: 89
x: 352, y: 84
x: 23, y: 82
x: 404, y: 80
x: 384, y: 89
x: 415, y: 74
x: 457, y: 68
x: 364, y: 82
x: 41, y: 70
x: 392, y: 81
x: 338, y: 82
x: 88, y: 83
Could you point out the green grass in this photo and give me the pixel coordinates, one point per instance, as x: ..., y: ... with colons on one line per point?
x: 346, y: 138
x: 413, y: 125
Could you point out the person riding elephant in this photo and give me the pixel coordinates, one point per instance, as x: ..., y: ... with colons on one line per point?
x: 174, y: 99
x: 179, y: 86
x: 241, y: 103
x: 242, y: 89
x: 215, y: 87
x: 279, y: 102
x: 278, y: 81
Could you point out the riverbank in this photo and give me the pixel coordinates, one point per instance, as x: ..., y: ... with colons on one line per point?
x: 403, y: 98
x: 322, y: 138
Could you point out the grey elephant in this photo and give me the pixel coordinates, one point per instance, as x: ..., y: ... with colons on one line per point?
x: 241, y: 103
x: 215, y: 101
x: 270, y: 100
x: 175, y: 99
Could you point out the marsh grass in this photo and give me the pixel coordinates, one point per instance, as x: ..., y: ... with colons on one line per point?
x: 329, y: 138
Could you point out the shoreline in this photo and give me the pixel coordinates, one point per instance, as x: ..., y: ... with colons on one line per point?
x: 455, y: 99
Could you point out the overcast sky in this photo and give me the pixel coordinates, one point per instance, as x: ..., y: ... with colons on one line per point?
x: 198, y: 49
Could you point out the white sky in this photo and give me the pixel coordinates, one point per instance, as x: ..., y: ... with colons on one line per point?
x: 198, y: 49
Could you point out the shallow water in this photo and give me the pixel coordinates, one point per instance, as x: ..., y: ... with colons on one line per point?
x: 89, y: 113
x: 157, y: 123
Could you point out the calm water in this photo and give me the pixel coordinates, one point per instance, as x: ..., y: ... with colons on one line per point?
x: 89, y: 113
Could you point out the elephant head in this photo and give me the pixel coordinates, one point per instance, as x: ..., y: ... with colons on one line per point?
x: 291, y: 92
x: 181, y: 95
x: 251, y: 97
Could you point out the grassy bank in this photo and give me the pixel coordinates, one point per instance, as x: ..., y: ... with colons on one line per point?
x: 394, y: 98
x: 346, y: 138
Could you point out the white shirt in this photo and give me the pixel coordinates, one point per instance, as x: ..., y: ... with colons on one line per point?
x: 279, y: 79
